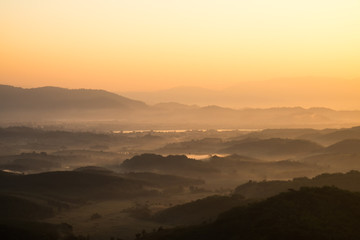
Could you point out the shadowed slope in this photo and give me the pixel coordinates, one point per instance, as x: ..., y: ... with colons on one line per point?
x: 310, y: 213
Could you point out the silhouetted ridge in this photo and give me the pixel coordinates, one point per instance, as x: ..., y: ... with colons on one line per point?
x: 345, y: 146
x: 15, y: 207
x: 174, y: 164
x: 252, y: 189
x: 54, y: 98
x: 198, y: 211
x: 341, y: 134
x: 73, y: 184
x: 52, y: 103
x: 25, y: 230
x: 309, y: 213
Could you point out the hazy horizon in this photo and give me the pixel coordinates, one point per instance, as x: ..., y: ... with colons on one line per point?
x: 273, y: 93
x: 237, y: 54
x: 141, y: 45
x: 181, y: 119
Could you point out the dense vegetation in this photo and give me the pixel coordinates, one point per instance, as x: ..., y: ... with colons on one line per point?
x: 252, y: 189
x: 199, y: 211
x: 309, y: 213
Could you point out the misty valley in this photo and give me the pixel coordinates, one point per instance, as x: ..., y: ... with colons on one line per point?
x: 194, y: 184
x: 90, y: 164
x: 179, y: 120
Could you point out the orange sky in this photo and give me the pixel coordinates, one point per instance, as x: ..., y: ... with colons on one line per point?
x: 148, y: 45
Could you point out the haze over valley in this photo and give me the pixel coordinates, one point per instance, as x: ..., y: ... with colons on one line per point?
x: 307, y: 92
x: 63, y: 165
x: 110, y: 111
x: 159, y: 120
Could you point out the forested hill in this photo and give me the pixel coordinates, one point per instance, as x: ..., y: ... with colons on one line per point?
x: 260, y: 190
x: 309, y: 213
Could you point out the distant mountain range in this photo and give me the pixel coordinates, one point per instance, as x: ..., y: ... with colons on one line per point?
x: 305, y: 91
x: 59, y: 104
x: 54, y: 98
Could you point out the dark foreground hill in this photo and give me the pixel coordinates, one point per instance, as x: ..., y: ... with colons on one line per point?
x: 17, y: 207
x: 72, y: 185
x: 24, y: 230
x: 199, y: 211
x: 309, y: 213
x: 40, y: 195
x: 260, y: 190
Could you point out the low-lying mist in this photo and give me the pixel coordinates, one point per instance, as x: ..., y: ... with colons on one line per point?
x: 90, y: 164
x: 122, y: 184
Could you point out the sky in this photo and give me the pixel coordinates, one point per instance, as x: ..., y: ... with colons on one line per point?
x: 145, y: 45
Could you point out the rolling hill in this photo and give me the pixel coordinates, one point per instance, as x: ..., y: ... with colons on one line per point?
x: 55, y: 98
x: 50, y: 103
x: 198, y: 211
x: 264, y: 189
x: 309, y: 213
x: 72, y: 185
x: 273, y: 147
x: 172, y: 164
x: 60, y: 104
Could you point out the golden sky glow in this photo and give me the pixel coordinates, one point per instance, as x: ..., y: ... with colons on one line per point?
x: 155, y: 44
